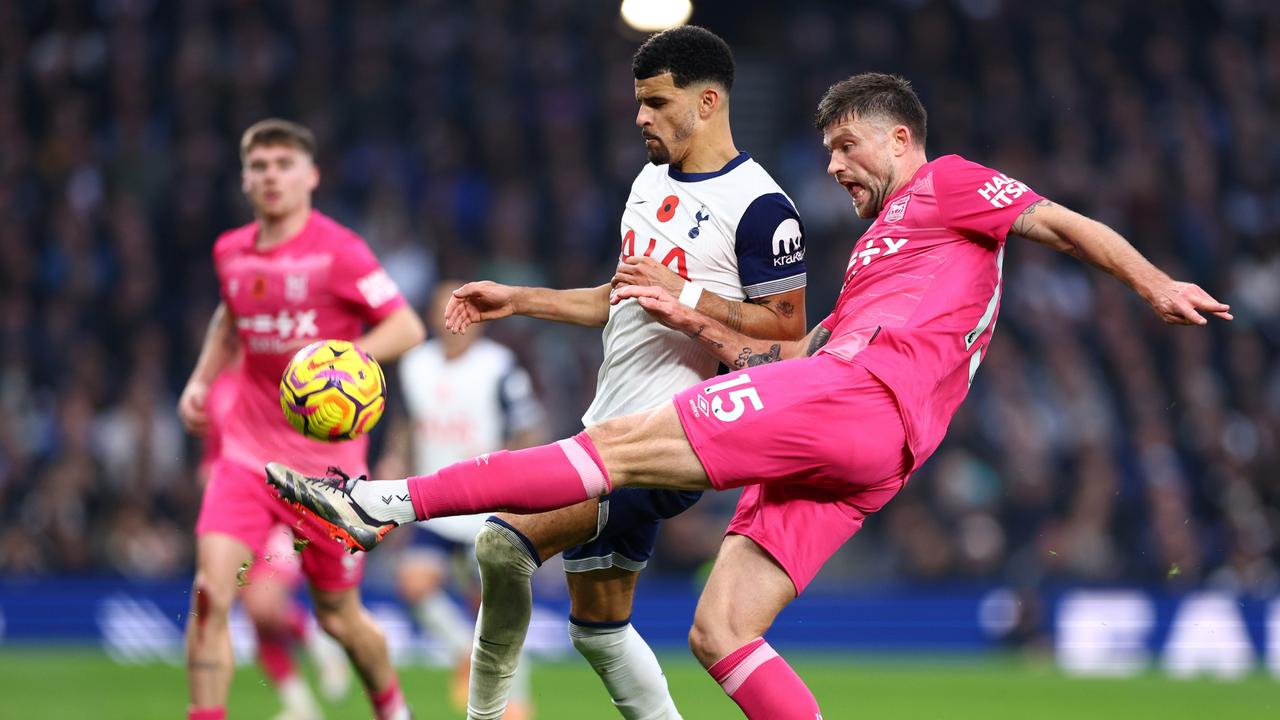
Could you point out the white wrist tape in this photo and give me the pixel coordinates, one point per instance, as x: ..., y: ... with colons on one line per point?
x: 690, y: 294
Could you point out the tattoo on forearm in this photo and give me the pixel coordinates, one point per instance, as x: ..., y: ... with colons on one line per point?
x: 787, y: 309
x: 733, y: 318
x: 698, y: 336
x: 749, y: 357
x: 820, y: 338
x: 1024, y: 225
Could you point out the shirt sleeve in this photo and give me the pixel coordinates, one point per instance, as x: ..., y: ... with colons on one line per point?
x: 770, y: 246
x: 977, y: 200
x: 521, y: 410
x: 361, y: 281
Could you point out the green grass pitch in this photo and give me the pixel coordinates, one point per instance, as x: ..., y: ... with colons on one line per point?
x: 78, y: 683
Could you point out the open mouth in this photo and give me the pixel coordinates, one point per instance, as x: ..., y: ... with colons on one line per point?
x: 856, y: 190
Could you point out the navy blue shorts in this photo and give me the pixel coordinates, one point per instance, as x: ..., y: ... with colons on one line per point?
x: 627, y: 529
x: 424, y: 538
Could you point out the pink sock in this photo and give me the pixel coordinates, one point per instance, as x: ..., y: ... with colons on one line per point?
x: 386, y: 703
x: 536, y: 479
x: 298, y: 625
x: 275, y: 652
x: 276, y: 643
x: 764, y: 685
x: 206, y: 713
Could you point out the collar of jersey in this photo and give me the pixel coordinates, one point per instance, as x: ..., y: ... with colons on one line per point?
x: 699, y: 177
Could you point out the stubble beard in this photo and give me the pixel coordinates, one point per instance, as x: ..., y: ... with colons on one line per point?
x: 875, y: 201
x: 661, y: 154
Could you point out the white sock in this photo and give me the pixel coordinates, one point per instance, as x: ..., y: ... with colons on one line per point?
x: 333, y: 669
x: 298, y: 700
x: 385, y: 500
x: 506, y: 567
x: 441, y: 617
x: 630, y: 672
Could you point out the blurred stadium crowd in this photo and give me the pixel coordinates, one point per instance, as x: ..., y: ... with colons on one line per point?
x: 495, y: 139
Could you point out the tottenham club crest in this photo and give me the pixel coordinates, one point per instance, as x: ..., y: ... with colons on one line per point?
x: 897, y: 209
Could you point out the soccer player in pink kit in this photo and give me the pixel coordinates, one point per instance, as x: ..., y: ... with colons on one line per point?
x: 828, y: 436
x: 268, y: 594
x: 287, y: 279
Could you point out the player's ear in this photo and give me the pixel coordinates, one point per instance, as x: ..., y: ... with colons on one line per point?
x: 709, y: 101
x: 315, y: 177
x: 900, y: 139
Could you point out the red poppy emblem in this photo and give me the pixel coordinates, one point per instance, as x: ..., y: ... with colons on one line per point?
x: 668, y: 208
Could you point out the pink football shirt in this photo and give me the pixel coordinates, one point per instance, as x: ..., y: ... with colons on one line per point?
x: 324, y: 283
x: 922, y: 290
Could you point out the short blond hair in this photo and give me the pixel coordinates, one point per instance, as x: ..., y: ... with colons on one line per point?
x: 275, y: 131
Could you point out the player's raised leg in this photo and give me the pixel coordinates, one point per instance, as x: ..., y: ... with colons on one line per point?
x: 343, y: 616
x: 647, y: 449
x: 746, y: 591
x: 210, y: 661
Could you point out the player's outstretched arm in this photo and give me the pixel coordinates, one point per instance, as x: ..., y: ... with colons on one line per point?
x: 1177, y: 303
x: 728, y: 345
x: 772, y: 317
x: 396, y: 333
x: 219, y: 348
x: 486, y: 300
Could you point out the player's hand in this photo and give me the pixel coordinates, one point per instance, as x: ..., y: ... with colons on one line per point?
x: 641, y: 270
x: 478, y: 302
x: 661, y: 304
x: 1180, y: 303
x: 191, y: 407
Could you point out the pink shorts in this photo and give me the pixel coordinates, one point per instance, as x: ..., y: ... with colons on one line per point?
x: 238, y: 502
x: 819, y: 443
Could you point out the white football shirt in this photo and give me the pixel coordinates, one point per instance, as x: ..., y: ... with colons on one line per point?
x: 734, y: 232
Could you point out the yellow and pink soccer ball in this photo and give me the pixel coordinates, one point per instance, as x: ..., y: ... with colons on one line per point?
x: 333, y: 390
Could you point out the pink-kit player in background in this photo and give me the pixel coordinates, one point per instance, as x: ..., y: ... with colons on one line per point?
x: 268, y: 592
x: 825, y: 438
x: 291, y: 277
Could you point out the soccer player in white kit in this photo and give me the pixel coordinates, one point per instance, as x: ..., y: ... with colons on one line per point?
x: 465, y: 395
x: 707, y: 223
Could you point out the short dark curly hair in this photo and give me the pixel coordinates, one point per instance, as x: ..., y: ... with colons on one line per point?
x: 873, y: 94
x: 690, y: 53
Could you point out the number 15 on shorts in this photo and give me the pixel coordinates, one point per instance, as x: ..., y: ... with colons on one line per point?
x: 739, y: 393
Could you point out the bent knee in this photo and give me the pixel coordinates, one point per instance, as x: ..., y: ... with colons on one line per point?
x: 338, y: 624
x: 710, y: 640
x: 496, y: 547
x: 211, y: 598
x: 491, y: 546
